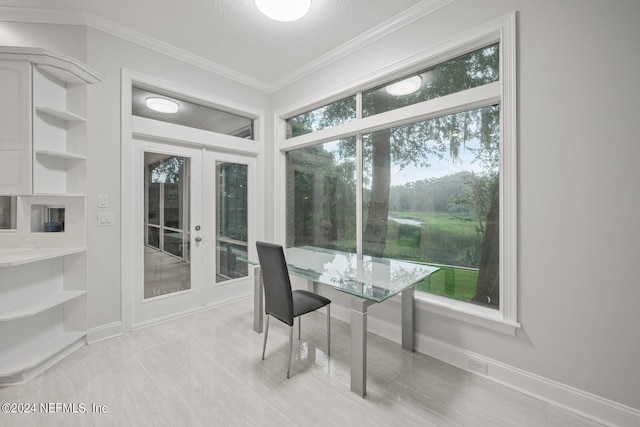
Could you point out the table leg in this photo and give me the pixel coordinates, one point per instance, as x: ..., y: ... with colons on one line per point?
x: 408, y: 332
x: 312, y: 286
x: 359, y: 345
x: 258, y: 300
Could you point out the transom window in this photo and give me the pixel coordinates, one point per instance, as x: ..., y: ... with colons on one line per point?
x: 186, y: 113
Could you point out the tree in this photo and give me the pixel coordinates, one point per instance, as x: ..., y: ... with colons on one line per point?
x: 419, y: 143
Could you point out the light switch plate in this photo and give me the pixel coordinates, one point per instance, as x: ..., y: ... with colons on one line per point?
x: 103, y: 201
x: 106, y: 219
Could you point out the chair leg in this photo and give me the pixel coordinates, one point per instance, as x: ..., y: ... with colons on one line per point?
x: 290, y: 349
x: 299, y: 326
x: 329, y: 330
x: 266, y: 332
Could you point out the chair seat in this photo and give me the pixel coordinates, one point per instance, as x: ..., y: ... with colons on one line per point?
x: 305, y: 302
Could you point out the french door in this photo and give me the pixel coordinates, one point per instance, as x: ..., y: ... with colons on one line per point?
x: 192, y: 227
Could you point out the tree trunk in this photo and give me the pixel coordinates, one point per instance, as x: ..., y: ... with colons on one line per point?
x: 488, y: 286
x: 375, y: 231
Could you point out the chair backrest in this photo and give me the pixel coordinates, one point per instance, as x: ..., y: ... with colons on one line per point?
x: 278, y: 299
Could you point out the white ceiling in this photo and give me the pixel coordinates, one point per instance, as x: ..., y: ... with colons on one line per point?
x: 233, y: 36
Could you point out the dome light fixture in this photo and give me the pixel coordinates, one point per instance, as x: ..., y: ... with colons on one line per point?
x: 162, y: 105
x: 284, y: 10
x: 404, y: 87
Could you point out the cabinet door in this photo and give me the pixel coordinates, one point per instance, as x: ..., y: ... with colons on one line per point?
x: 15, y: 127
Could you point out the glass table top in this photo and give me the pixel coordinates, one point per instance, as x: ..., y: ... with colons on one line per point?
x: 376, y: 279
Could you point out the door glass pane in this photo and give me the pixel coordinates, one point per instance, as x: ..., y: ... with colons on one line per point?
x: 153, y: 203
x: 231, y: 220
x: 167, y: 266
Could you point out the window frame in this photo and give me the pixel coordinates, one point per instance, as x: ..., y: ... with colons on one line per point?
x: 502, y: 92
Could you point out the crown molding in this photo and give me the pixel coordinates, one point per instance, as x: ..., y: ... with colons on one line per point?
x: 403, y: 19
x: 79, y: 17
x: 164, y: 48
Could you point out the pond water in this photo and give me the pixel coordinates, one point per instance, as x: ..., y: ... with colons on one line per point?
x: 406, y: 221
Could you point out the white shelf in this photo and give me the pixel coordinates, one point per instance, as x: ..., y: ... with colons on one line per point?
x: 61, y: 114
x: 61, y: 155
x: 56, y: 195
x: 35, y: 307
x: 12, y: 257
x: 22, y: 359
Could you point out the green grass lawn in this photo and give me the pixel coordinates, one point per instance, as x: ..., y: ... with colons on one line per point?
x: 458, y: 283
x: 441, y: 239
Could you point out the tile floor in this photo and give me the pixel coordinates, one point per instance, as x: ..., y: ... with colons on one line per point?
x: 205, y: 370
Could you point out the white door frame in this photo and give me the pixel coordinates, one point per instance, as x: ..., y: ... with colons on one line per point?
x: 165, y: 132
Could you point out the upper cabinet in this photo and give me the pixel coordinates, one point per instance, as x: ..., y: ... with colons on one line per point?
x: 42, y: 116
x: 15, y: 122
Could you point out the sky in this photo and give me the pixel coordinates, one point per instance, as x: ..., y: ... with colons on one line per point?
x: 439, y: 168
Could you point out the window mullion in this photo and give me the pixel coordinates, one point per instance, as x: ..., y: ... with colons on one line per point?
x: 359, y: 182
x: 359, y: 195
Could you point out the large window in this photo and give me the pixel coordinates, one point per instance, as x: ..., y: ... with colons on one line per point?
x: 431, y: 186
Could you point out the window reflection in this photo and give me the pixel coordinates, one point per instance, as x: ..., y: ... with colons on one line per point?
x: 8, y: 212
x: 464, y: 72
x: 321, y: 188
x: 192, y: 115
x: 333, y: 114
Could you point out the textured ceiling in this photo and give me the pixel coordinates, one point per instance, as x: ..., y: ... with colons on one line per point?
x: 235, y: 35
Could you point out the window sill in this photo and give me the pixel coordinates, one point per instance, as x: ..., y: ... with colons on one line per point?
x: 479, y: 316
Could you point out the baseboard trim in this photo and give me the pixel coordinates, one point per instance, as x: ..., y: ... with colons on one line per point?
x: 584, y: 404
x: 104, y: 332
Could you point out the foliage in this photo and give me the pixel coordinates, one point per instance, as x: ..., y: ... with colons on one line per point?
x: 454, y: 210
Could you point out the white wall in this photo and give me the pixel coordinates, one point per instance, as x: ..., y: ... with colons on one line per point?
x: 67, y: 40
x: 578, y: 185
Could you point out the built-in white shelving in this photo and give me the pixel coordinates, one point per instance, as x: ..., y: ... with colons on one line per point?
x: 20, y: 360
x: 11, y: 257
x: 60, y: 155
x: 43, y: 262
x: 37, y: 305
x: 61, y: 114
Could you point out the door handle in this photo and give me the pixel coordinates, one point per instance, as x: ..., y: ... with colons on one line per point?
x: 198, y: 239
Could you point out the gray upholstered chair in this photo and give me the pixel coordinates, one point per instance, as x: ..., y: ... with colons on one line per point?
x: 280, y: 301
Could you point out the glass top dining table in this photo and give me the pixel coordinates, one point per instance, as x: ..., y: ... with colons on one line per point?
x: 367, y: 279
x: 371, y: 278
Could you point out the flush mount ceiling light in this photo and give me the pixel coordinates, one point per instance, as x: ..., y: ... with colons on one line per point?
x: 284, y: 10
x: 162, y: 105
x: 404, y: 87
